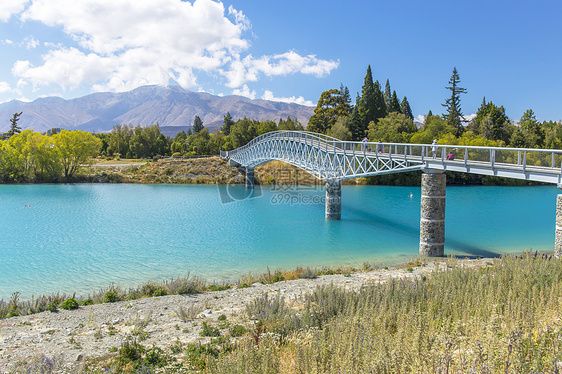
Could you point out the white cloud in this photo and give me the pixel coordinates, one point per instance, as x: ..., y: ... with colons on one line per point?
x: 31, y: 42
x: 249, y: 68
x: 245, y: 91
x: 11, y: 7
x: 5, y: 87
x: 240, y: 18
x: 268, y: 95
x: 127, y: 43
x: 8, y: 42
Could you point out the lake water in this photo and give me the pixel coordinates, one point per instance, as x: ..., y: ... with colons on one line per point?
x: 80, y: 238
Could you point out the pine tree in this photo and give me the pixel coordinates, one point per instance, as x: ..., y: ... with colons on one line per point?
x: 387, y: 94
x: 227, y: 123
x: 367, y: 106
x: 491, y: 122
x: 453, y: 104
x: 344, y: 92
x: 197, y: 125
x: 355, y: 122
x: 405, y: 108
x: 381, y: 108
x: 14, y: 128
x: 394, y: 104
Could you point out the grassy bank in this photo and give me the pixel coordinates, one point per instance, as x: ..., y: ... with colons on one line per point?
x: 500, y: 318
x: 209, y: 170
x: 178, y: 286
x: 504, y: 318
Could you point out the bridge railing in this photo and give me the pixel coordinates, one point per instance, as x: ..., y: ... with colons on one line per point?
x: 519, y: 158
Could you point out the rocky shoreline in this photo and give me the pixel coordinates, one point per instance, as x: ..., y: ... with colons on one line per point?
x: 97, y: 331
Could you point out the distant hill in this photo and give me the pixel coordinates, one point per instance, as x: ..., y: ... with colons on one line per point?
x: 169, y: 106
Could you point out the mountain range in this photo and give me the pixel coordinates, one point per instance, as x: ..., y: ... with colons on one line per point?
x: 171, y: 107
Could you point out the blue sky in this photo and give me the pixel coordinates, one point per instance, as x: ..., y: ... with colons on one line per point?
x: 508, y: 51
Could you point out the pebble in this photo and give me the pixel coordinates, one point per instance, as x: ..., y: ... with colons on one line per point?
x: 97, y: 329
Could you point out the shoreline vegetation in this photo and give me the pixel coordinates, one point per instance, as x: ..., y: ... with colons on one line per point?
x: 215, y: 170
x: 429, y: 315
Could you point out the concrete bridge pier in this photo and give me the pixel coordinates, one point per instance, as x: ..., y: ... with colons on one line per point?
x: 558, y: 238
x: 432, y: 222
x: 333, y: 199
x: 249, y: 178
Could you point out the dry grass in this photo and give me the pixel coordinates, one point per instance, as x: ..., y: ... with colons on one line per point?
x: 504, y: 318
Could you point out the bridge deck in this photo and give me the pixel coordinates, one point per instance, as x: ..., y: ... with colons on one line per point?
x: 329, y: 158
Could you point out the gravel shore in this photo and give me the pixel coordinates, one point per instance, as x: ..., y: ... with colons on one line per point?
x: 99, y: 330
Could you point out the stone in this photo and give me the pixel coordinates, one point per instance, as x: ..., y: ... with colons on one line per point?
x: 333, y: 199
x: 432, y: 215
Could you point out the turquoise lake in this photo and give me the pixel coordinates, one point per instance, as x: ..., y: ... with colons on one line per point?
x: 80, y: 238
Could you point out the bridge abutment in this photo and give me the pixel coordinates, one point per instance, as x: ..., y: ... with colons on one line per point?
x: 333, y: 199
x: 432, y: 221
x: 558, y: 238
x: 249, y: 177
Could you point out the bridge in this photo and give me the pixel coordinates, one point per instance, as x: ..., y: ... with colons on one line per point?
x: 332, y: 160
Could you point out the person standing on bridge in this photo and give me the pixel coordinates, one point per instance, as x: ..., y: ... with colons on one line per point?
x: 434, y: 148
x: 365, y: 141
x: 380, y: 147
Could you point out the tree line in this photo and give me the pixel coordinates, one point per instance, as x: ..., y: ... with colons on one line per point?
x: 379, y: 115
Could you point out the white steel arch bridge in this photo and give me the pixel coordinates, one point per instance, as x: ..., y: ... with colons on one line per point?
x: 332, y: 160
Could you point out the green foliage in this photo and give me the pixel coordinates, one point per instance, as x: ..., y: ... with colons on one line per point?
x: 500, y: 318
x: 110, y: 296
x: 197, y: 125
x: 209, y: 331
x: 237, y: 330
x: 394, y: 104
x: 197, y: 355
x: 227, y: 124
x: 491, y: 122
x: 405, y: 108
x: 69, y: 304
x: 453, y: 104
x: 75, y: 148
x: 530, y: 131
x: 434, y: 128
x: 341, y: 129
x: 394, y: 128
x: 332, y: 104
x: 14, y: 128
x: 370, y: 107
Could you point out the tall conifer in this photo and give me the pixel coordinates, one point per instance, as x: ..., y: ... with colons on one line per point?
x: 405, y: 108
x: 387, y: 94
x: 453, y: 104
x: 394, y: 104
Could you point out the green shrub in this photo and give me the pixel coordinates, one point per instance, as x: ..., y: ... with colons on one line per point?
x: 222, y: 317
x: 197, y: 355
x: 237, y: 330
x: 87, y: 302
x: 209, y: 331
x: 155, y: 357
x: 130, y: 351
x: 110, y: 297
x: 69, y: 304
